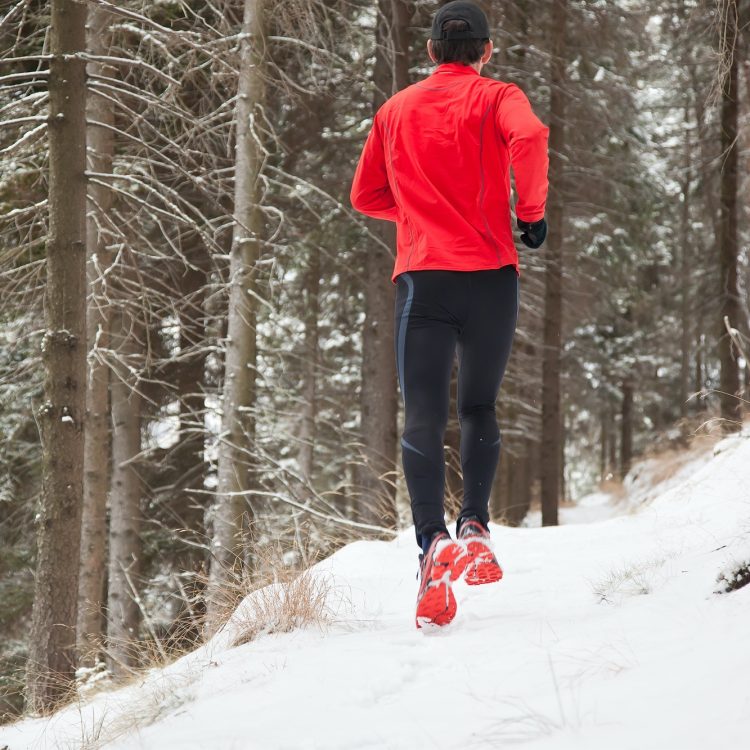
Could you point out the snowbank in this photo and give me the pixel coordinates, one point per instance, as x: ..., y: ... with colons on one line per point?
x: 607, y: 633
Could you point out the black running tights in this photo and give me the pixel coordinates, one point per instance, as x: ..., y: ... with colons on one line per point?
x: 439, y: 313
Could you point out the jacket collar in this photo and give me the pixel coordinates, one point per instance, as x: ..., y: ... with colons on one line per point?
x: 454, y: 67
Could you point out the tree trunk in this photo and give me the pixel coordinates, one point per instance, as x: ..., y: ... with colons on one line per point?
x: 379, y: 394
x: 401, y: 13
x: 707, y: 159
x: 187, y: 504
x: 125, y: 546
x: 239, y: 391
x: 626, y: 427
x: 551, y: 429
x: 100, y: 147
x: 306, y: 453
x: 527, y: 448
x: 699, y: 377
x: 515, y: 485
x: 521, y: 500
x: 563, y: 438
x: 307, y: 432
x: 51, y: 663
x: 505, y: 486
x: 685, y: 312
x: 501, y: 491
x: 497, y: 492
x: 515, y: 25
x: 452, y: 453
x: 603, y: 444
x: 184, y: 501
x: 746, y: 150
x: 729, y: 382
x: 705, y: 175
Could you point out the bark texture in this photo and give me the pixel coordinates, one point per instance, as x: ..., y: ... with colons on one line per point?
x: 379, y: 395
x: 686, y: 327
x: 626, y: 426
x: 100, y: 149
x: 551, y: 426
x: 306, y: 453
x: 238, y: 425
x: 61, y: 417
x: 125, y: 545
x: 729, y: 381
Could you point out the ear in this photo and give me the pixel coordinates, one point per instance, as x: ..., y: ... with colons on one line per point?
x: 487, y: 52
x: 430, y: 53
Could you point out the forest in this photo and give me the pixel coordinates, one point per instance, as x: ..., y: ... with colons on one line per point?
x: 198, y: 387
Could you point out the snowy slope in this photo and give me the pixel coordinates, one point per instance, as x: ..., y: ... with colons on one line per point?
x: 605, y: 634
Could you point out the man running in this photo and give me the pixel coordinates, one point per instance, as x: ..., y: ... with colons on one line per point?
x: 436, y: 162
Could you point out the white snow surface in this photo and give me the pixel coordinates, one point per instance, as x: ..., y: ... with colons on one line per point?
x: 604, y: 633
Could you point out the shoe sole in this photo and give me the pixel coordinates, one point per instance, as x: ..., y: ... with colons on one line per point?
x: 483, y: 566
x: 438, y: 604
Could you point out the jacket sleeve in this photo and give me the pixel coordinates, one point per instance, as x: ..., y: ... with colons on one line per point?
x: 526, y: 137
x: 371, y: 192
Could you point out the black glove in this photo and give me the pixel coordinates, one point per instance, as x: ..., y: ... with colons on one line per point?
x: 534, y: 233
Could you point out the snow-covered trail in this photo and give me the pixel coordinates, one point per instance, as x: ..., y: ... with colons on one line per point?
x: 602, y: 634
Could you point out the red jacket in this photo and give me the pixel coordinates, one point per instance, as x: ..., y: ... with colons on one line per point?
x: 437, y: 161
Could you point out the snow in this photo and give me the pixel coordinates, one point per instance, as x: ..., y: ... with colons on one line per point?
x: 604, y: 632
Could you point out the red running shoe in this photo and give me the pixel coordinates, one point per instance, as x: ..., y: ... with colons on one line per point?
x: 444, y: 562
x: 483, y: 566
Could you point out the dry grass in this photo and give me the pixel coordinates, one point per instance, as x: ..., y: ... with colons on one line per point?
x: 100, y: 723
x: 524, y: 724
x: 613, y: 487
x: 667, y: 463
x: 630, y: 580
x: 283, y: 594
x: 54, y: 684
x: 283, y: 607
x: 690, y: 434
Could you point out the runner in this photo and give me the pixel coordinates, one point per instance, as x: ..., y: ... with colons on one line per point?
x: 436, y: 162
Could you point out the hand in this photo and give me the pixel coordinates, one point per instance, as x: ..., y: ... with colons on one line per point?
x: 533, y: 233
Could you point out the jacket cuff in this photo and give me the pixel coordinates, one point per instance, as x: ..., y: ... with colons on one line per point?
x: 531, y: 218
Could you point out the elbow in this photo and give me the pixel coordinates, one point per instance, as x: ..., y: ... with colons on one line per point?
x: 532, y: 143
x: 362, y: 200
x: 377, y: 204
x: 538, y: 134
x: 355, y: 197
x: 533, y: 135
x: 360, y: 204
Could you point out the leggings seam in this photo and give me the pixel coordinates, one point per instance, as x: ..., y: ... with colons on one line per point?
x: 402, y: 332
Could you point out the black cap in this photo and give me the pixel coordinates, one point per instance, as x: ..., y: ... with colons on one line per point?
x: 478, y: 28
